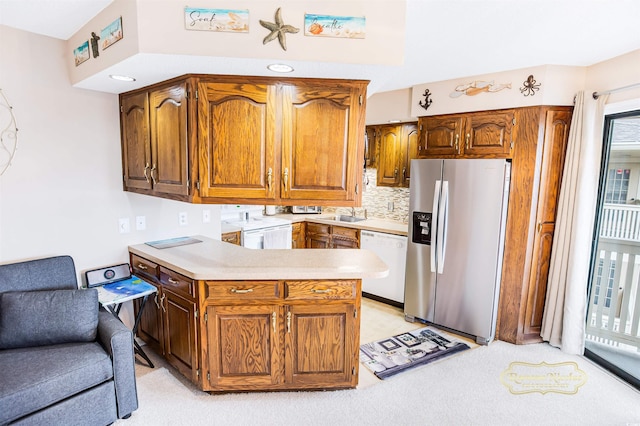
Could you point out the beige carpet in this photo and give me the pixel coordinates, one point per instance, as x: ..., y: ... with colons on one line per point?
x: 464, y: 389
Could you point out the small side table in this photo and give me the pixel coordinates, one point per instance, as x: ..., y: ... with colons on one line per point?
x: 112, y: 296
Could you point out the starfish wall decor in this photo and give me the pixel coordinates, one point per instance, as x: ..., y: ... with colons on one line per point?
x: 278, y: 30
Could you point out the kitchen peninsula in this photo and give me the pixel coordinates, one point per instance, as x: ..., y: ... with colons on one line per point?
x: 235, y: 319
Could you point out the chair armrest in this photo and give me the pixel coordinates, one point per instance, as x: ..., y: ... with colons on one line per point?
x: 117, y: 340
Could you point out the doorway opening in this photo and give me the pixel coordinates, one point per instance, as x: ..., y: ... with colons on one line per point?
x: 613, y: 311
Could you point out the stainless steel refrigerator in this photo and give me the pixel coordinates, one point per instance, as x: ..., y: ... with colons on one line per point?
x: 457, y: 212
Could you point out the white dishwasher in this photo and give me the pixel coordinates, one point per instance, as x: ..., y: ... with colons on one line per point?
x: 392, y: 249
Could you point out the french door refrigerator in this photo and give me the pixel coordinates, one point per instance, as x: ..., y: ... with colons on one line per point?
x: 457, y: 212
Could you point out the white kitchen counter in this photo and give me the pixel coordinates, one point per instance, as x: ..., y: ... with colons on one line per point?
x: 215, y: 260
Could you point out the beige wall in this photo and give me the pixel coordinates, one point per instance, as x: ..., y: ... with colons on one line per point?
x: 157, y: 27
x: 386, y: 106
x: 63, y: 192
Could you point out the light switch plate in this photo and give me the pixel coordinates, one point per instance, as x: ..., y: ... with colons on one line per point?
x: 124, y: 225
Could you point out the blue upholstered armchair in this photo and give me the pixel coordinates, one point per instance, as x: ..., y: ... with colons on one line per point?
x: 63, y: 360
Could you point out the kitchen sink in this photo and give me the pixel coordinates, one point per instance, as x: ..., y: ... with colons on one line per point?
x: 347, y: 218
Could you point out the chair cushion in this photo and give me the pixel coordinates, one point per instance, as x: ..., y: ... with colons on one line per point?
x: 35, y: 378
x: 49, y: 317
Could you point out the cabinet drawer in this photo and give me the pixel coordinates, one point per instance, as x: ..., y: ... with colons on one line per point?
x: 318, y: 228
x: 242, y: 290
x: 177, y: 283
x: 323, y: 290
x: 345, y: 233
x: 145, y: 268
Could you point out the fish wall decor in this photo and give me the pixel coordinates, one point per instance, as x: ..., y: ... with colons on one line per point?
x: 477, y: 87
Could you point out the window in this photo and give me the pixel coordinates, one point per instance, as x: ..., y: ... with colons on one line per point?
x: 617, y: 186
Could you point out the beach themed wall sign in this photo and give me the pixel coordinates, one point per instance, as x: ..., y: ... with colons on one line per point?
x: 81, y: 53
x: 111, y: 33
x: 227, y: 20
x: 334, y: 26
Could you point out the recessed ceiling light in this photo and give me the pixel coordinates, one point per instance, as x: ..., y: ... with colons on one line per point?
x: 280, y: 68
x: 122, y: 77
x: 394, y: 121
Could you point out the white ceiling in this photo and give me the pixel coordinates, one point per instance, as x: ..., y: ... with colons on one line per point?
x: 445, y: 39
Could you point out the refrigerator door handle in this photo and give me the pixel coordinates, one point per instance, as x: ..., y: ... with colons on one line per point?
x: 436, y: 199
x: 443, y: 212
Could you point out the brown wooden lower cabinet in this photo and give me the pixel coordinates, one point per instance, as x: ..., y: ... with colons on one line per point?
x: 298, y: 235
x: 281, y: 335
x: 331, y: 236
x: 169, y: 322
x: 231, y: 237
x: 253, y: 335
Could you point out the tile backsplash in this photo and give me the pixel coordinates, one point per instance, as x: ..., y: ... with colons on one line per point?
x: 380, y: 201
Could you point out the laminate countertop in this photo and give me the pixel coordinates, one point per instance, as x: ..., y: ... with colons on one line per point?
x: 212, y: 259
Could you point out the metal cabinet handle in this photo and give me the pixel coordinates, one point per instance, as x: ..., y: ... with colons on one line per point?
x: 162, y: 302
x: 146, y: 176
x: 141, y: 266
x: 156, y: 300
x: 395, y: 172
x: 274, y: 322
x: 404, y: 173
x: 269, y: 178
x: 457, y: 139
x: 327, y: 290
x: 172, y: 281
x: 286, y: 179
x: 238, y: 291
x: 289, y: 322
x: 153, y: 178
x: 466, y: 142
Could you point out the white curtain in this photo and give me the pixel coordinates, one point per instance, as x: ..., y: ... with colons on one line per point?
x: 563, y: 322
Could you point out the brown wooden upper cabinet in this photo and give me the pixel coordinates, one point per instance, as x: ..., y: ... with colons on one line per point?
x: 484, y: 134
x: 154, y: 140
x: 396, y: 145
x: 237, y: 141
x: 250, y: 140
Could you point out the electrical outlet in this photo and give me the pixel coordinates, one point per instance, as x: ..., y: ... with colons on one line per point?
x: 183, y: 219
x: 390, y: 206
x: 206, y: 216
x: 124, y: 225
x: 141, y: 223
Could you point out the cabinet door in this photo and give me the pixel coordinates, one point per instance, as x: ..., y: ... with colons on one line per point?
x: 150, y: 328
x: 318, y: 235
x: 298, y: 240
x: 136, y: 148
x: 390, y: 155
x: 318, y: 241
x: 321, y: 345
x: 244, y: 346
x: 231, y: 237
x: 439, y: 136
x: 488, y: 133
x: 169, y: 151
x: 556, y: 135
x: 342, y: 237
x: 322, y: 142
x: 236, y: 125
x: 371, y: 153
x: 409, y: 150
x: 180, y: 330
